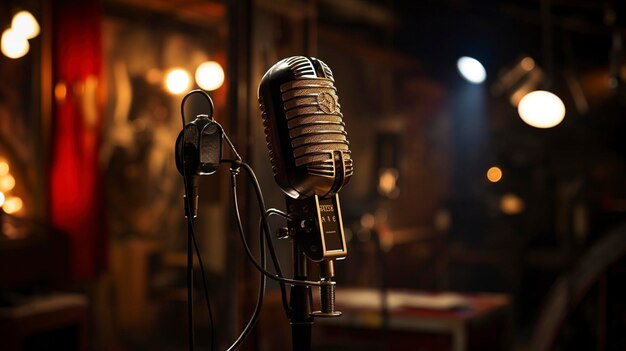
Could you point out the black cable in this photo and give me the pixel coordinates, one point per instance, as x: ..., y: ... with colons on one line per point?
x: 278, y: 277
x: 264, y: 230
x: 206, y: 291
x: 274, y: 211
x: 192, y: 236
x: 234, y: 168
x: 259, y: 302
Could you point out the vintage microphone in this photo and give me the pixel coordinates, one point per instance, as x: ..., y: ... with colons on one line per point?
x: 311, y: 161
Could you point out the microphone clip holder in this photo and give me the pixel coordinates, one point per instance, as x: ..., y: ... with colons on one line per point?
x: 318, y: 227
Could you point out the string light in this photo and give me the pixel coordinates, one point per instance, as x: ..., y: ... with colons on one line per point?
x: 12, y: 204
x: 9, y: 203
x: 7, y: 182
x: 4, y: 168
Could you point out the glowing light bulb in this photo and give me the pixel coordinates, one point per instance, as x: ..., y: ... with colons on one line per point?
x: 13, y: 45
x: 25, y: 24
x: 210, y: 75
x: 541, y: 109
x: 471, y: 69
x: 177, y: 81
x: 494, y: 174
x: 7, y: 182
x: 4, y: 168
x: 12, y: 204
x: 2, y: 198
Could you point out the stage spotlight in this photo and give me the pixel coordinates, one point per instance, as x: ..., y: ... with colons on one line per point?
x: 541, y: 109
x: 177, y: 81
x: 210, y: 75
x: 471, y: 69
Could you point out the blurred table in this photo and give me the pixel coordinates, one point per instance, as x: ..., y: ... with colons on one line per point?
x: 416, y: 321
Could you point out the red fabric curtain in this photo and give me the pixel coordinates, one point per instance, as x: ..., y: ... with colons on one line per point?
x: 75, y: 199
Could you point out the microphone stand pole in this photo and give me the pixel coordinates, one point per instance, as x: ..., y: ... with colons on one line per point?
x: 191, y: 212
x: 301, y: 319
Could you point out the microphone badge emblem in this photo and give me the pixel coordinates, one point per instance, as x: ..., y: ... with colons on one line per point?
x: 327, y: 102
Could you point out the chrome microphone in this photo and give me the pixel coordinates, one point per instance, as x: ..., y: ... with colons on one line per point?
x: 304, y: 128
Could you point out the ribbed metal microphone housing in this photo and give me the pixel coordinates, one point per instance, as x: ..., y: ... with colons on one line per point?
x: 304, y: 128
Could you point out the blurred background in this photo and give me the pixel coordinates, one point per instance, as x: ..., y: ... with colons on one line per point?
x: 488, y: 201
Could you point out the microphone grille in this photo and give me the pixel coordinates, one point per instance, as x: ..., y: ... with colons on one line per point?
x: 268, y: 137
x: 301, y: 67
x: 316, y: 128
x: 327, y: 71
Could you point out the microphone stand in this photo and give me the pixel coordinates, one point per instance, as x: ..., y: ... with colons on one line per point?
x: 191, y: 212
x: 317, y: 234
x: 301, y: 319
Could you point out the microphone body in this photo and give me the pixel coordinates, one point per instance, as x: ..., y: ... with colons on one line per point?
x: 304, y: 128
x: 308, y: 150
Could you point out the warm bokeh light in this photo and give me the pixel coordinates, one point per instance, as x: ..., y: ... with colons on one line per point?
x: 12, y: 204
x: 13, y: 45
x: 4, y: 168
x: 60, y: 92
x: 494, y: 174
x: 541, y: 109
x: 177, y: 81
x: 368, y: 221
x: 7, y: 182
x: 210, y: 75
x: 154, y: 75
x: 471, y: 69
x: 1, y: 199
x: 442, y: 220
x: 25, y: 25
x: 388, y: 183
x: 511, y: 204
x: 527, y: 64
